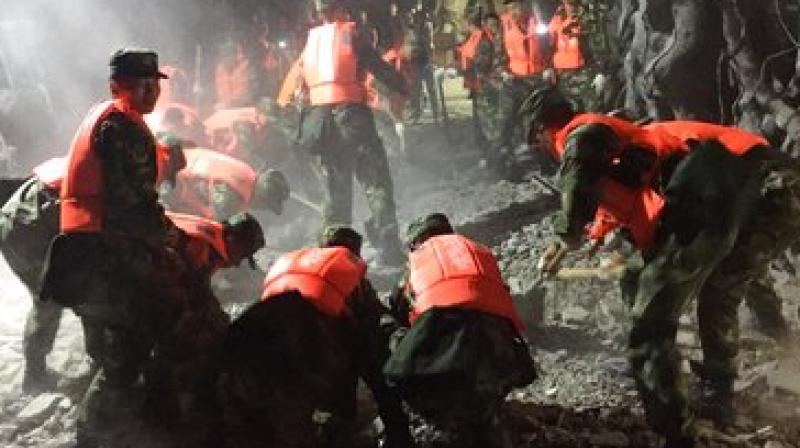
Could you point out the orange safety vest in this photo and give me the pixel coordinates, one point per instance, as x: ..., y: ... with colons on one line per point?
x: 233, y: 83
x: 635, y: 209
x: 524, y: 54
x: 453, y: 271
x: 82, y: 208
x: 324, y: 276
x: 567, y: 53
x: 51, y: 173
x: 467, y: 52
x: 208, y: 167
x: 737, y: 141
x: 205, y: 235
x: 330, y: 65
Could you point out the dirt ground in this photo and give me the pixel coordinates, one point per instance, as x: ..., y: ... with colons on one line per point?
x: 577, y: 330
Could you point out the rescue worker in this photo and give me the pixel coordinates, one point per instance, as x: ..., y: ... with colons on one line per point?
x: 118, y: 260
x: 569, y: 56
x: 180, y: 378
x: 707, y: 217
x: 320, y: 316
x: 339, y: 128
x: 458, y: 349
x: 215, y: 186
x: 388, y: 107
x: 524, y: 61
x: 419, y: 50
x: 28, y: 222
x: 477, y: 65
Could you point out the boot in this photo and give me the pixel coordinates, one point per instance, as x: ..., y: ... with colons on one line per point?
x: 717, y: 402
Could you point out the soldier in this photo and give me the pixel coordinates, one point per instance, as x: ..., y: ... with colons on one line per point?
x: 459, y: 348
x: 707, y: 217
x: 478, y: 65
x: 569, y: 55
x: 525, y: 65
x: 419, y: 45
x: 319, y: 316
x: 28, y: 222
x: 118, y: 260
x: 340, y: 129
x: 215, y: 186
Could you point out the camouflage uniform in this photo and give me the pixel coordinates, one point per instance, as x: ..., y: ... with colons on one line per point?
x: 345, y: 143
x: 485, y: 99
x: 127, y: 283
x: 28, y: 222
x: 513, y: 129
x: 712, y: 246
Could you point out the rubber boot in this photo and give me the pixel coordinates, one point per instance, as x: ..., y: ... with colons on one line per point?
x: 717, y: 402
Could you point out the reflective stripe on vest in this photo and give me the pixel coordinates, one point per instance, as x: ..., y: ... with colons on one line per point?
x: 453, y: 271
x: 51, y: 173
x: 737, y: 141
x: 82, y: 188
x: 567, y: 53
x: 325, y: 276
x: 204, y: 234
x: 208, y: 167
x: 330, y: 65
x: 524, y: 55
x: 635, y: 209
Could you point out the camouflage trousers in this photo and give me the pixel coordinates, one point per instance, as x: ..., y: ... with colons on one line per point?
x: 716, y: 263
x: 346, y: 145
x: 486, y: 117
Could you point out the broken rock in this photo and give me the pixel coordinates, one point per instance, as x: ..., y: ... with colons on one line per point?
x: 38, y: 410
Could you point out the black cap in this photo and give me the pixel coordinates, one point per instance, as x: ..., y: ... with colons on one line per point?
x: 425, y: 227
x: 244, y: 229
x: 135, y: 63
x: 341, y: 235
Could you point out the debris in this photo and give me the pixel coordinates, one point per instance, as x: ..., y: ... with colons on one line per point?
x: 38, y: 410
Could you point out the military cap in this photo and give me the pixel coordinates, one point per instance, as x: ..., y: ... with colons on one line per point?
x: 542, y: 102
x: 247, y: 232
x: 135, y: 63
x: 427, y: 226
x: 271, y: 190
x: 341, y: 235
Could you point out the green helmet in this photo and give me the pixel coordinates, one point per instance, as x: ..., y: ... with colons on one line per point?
x: 271, y: 191
x: 243, y: 236
x: 543, y: 103
x: 341, y: 235
x: 425, y: 227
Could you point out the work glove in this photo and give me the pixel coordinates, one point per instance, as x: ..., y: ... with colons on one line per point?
x: 506, y: 77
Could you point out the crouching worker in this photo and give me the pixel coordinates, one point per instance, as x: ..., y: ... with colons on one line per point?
x: 180, y: 378
x: 292, y: 362
x: 463, y: 352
